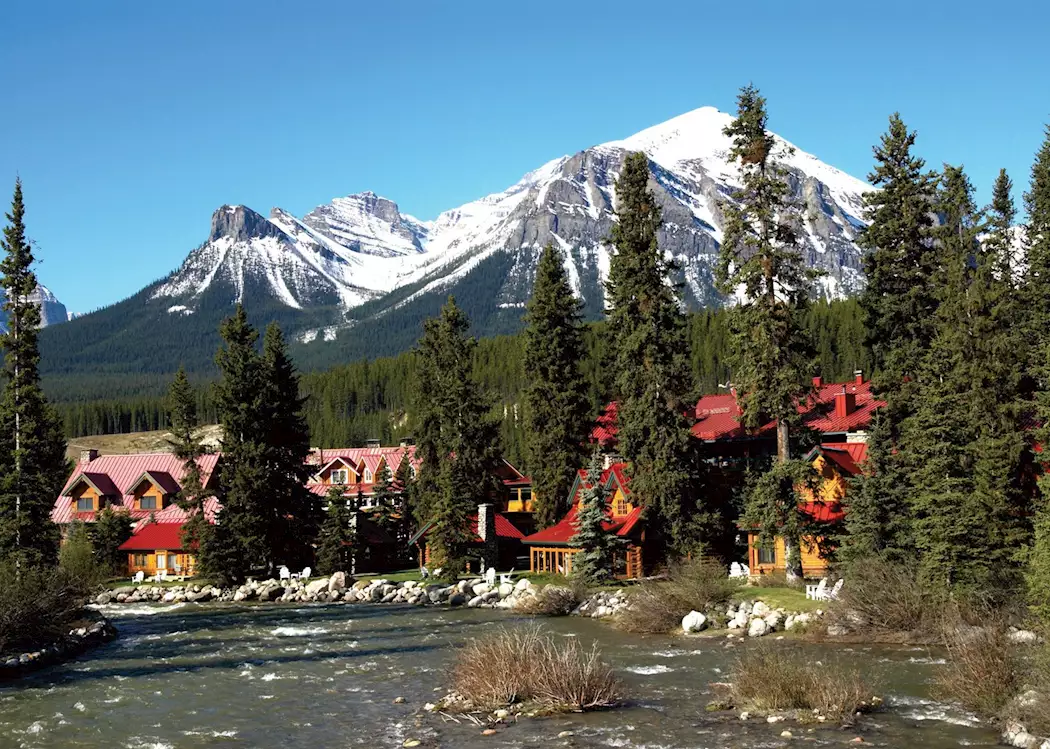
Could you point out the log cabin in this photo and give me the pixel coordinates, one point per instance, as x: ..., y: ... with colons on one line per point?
x: 551, y: 550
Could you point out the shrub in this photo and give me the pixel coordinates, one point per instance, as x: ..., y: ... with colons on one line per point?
x: 887, y: 598
x: 77, y: 559
x: 771, y: 678
x: 526, y: 666
x: 657, y: 606
x: 553, y: 600
x: 37, y: 605
x: 982, y: 669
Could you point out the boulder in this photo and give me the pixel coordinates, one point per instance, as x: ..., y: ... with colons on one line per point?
x: 758, y: 628
x: 457, y: 599
x: 337, y: 582
x: 760, y: 609
x: 104, y: 598
x: 1022, y: 637
x: 694, y: 621
x: 837, y: 630
x: 505, y: 590
x: 773, y: 619
x: 389, y: 597
x: 523, y: 584
x: 492, y: 595
x: 375, y: 595
x: 481, y: 589
x: 316, y: 586
x: 1015, y: 734
x: 362, y: 584
x: 240, y: 595
x: 474, y: 602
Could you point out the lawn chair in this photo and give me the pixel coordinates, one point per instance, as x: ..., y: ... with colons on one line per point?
x: 284, y: 574
x: 834, y: 592
x: 139, y: 577
x: 819, y: 591
x: 424, y: 573
x: 490, y: 576
x: 178, y: 572
x: 161, y: 576
x: 737, y: 570
x: 507, y: 579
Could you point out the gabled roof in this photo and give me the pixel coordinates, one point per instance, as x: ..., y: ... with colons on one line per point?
x: 120, y: 474
x: 848, y: 457
x: 612, y: 477
x: 504, y: 529
x: 100, y: 482
x: 153, y: 536
x: 160, y: 479
x: 604, y: 432
x: 337, y: 459
x: 372, y: 462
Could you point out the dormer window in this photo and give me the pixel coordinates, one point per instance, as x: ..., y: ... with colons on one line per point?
x: 86, y: 504
x: 368, y: 476
x: 148, y: 503
x: 340, y: 476
x: 412, y: 471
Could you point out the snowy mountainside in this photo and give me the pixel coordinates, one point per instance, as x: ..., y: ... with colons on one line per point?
x: 52, y: 311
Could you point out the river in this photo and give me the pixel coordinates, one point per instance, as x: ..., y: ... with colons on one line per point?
x: 190, y: 675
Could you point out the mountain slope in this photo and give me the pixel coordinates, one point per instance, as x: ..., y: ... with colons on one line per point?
x: 52, y: 311
x: 356, y: 277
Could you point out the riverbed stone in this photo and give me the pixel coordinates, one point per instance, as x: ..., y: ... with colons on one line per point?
x: 837, y: 630
x: 481, y: 589
x: 506, y: 590
x: 694, y: 621
x: 389, y: 597
x: 337, y: 581
x: 757, y: 628
x: 457, y: 599
x: 523, y: 584
x: 1022, y: 637
x: 316, y: 586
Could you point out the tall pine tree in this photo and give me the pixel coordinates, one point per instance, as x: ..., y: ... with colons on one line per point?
x: 771, y: 351
x: 556, y: 406
x: 32, y: 445
x: 294, y: 512
x: 187, y: 447
x: 1036, y: 290
x: 462, y: 437
x: 652, y: 380
x: 900, y: 304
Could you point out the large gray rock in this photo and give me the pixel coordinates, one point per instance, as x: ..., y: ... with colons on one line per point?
x: 316, y: 586
x: 758, y: 628
x: 337, y: 582
x: 694, y: 621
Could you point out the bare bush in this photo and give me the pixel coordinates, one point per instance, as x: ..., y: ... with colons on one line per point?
x: 657, y: 606
x: 553, y: 600
x: 37, y: 605
x: 885, y: 598
x: 982, y: 669
x: 770, y: 678
x: 527, y: 666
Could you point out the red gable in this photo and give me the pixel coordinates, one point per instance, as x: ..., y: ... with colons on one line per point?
x: 561, y: 533
x: 117, y: 476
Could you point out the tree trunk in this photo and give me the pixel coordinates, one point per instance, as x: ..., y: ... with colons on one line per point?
x: 792, y: 551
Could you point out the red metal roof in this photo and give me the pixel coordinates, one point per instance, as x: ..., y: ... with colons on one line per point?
x: 153, y: 536
x: 847, y: 456
x: 604, y: 432
x: 122, y: 472
x: 504, y: 529
x: 164, y: 480
x: 565, y: 529
x: 822, y: 512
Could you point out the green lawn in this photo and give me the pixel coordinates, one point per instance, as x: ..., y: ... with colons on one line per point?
x: 149, y: 582
x: 789, y: 599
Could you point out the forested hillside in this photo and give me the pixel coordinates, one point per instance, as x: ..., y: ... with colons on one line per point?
x: 369, y: 399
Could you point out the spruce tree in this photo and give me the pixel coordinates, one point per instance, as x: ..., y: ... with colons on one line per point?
x: 335, y: 542
x: 108, y: 532
x: 652, y: 381
x: 556, y: 406
x: 402, y: 488
x: 384, y: 501
x: 294, y: 513
x: 770, y: 351
x: 999, y: 242
x: 594, y: 562
x: 462, y: 437
x: 32, y: 445
x: 239, y: 541
x: 1036, y: 291
x: 900, y: 304
x: 187, y: 447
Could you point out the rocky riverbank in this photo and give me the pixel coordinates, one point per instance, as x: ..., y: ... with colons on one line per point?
x: 95, y: 630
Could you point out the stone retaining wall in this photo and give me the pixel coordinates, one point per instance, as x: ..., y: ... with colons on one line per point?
x: 76, y: 642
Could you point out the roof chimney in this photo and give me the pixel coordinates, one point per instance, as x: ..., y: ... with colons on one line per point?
x: 407, y: 441
x: 818, y: 381
x: 858, y: 377
x: 845, y: 403
x: 86, y: 456
x: 487, y: 533
x: 373, y: 443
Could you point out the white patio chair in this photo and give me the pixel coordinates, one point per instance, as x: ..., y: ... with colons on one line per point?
x: 818, y: 591
x: 424, y: 573
x: 834, y: 592
x: 284, y: 574
x: 161, y: 576
x: 490, y: 576
x: 507, y: 579
x: 736, y: 570
x: 438, y: 571
x: 306, y: 573
x: 139, y: 577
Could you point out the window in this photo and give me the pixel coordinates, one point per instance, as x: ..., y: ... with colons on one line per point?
x: 368, y: 476
x: 162, y: 560
x: 412, y: 471
x: 139, y: 560
x: 147, y: 503
x: 85, y: 504
x: 619, y: 507
x: 340, y: 476
x: 767, y: 555
x: 173, y: 562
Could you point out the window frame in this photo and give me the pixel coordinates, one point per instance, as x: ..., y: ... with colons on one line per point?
x: 339, y: 473
x: 153, y: 502
x: 81, y: 508
x: 767, y: 554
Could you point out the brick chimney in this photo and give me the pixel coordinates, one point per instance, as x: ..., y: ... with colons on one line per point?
x: 818, y: 381
x: 858, y: 377
x: 86, y: 456
x: 845, y: 403
x: 487, y: 532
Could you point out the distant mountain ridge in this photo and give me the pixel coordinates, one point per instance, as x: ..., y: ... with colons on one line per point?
x: 356, y: 276
x: 52, y: 311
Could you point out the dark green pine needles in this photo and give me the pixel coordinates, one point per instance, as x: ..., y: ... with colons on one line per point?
x: 556, y: 406
x: 32, y: 445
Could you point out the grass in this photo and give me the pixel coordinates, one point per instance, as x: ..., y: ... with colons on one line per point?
x: 789, y: 599
x: 133, y: 442
x: 125, y: 582
x: 657, y: 607
x: 526, y: 666
x: 771, y: 678
x: 553, y: 600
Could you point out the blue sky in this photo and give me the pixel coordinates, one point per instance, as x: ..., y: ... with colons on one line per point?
x: 130, y: 122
